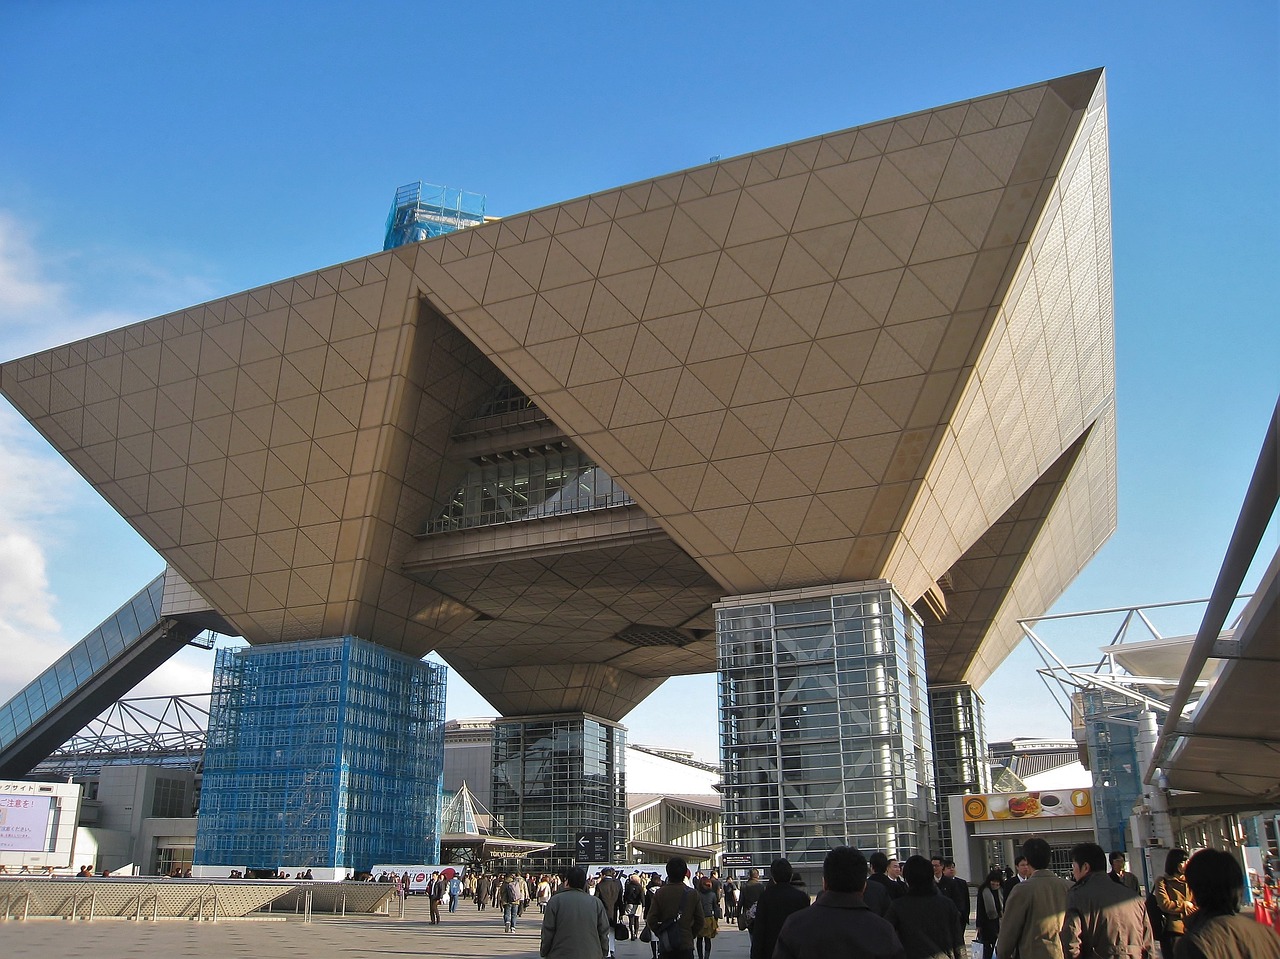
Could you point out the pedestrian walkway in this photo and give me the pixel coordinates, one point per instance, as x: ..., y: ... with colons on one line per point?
x: 460, y: 935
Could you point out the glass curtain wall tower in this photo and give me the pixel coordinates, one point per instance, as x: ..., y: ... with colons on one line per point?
x: 959, y: 750
x: 824, y: 724
x: 557, y: 776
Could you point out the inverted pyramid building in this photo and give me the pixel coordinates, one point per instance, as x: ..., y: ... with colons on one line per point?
x: 545, y: 446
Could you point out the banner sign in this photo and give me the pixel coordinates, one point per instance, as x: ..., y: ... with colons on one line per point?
x: 24, y: 822
x: 1038, y: 804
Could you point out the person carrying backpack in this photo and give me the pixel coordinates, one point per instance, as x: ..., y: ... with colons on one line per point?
x: 632, y: 898
x: 509, y: 896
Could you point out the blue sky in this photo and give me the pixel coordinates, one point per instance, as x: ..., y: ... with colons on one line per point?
x: 156, y: 155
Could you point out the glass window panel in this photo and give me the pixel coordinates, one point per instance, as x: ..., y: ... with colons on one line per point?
x: 129, y: 621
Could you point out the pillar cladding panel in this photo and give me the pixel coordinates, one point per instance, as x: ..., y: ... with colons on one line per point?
x: 1082, y: 516
x: 270, y: 444
x: 765, y: 351
x: 1045, y: 374
x: 600, y: 689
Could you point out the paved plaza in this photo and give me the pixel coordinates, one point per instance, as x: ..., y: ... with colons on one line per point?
x: 462, y: 934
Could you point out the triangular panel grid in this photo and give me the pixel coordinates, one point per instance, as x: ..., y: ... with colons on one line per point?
x: 847, y: 358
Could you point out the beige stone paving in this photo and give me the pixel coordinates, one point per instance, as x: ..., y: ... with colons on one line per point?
x: 462, y: 934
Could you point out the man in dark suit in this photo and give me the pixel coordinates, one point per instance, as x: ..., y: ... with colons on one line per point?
x: 955, y: 889
x: 879, y: 863
x: 1120, y: 875
x: 748, y: 896
x: 1021, y: 872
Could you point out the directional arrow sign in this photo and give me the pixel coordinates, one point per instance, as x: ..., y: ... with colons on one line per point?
x: 592, y: 845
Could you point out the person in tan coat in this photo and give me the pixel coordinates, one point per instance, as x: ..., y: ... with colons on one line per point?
x: 1174, y: 899
x: 1035, y: 911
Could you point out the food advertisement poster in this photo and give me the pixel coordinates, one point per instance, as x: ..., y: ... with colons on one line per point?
x: 1036, y: 804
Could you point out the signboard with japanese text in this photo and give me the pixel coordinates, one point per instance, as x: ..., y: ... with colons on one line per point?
x: 592, y: 845
x: 24, y: 822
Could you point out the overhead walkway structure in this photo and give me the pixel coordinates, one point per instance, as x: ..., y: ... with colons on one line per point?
x: 89, y: 677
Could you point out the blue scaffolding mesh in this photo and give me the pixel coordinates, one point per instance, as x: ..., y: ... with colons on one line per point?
x: 1111, y: 727
x: 326, y: 753
x: 423, y: 210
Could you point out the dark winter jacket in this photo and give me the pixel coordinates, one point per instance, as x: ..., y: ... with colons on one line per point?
x: 775, y: 904
x: 929, y: 926
x: 839, y: 924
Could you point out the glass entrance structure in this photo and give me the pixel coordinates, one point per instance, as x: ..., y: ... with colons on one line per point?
x: 824, y: 724
x: 322, y: 754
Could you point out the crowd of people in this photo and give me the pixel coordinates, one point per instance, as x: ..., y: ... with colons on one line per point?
x: 879, y: 908
x: 1191, y: 912
x: 876, y: 906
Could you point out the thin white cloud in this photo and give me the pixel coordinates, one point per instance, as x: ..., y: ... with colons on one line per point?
x: 188, y: 673
x: 33, y: 487
x: 23, y: 291
x: 49, y: 296
x: 29, y: 633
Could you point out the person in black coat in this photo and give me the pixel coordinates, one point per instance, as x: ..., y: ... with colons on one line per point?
x: 990, y: 909
x: 840, y: 924
x: 955, y: 889
x: 880, y: 876
x: 778, y: 900
x: 927, y: 923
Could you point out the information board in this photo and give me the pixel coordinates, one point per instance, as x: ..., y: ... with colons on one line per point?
x: 24, y: 822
